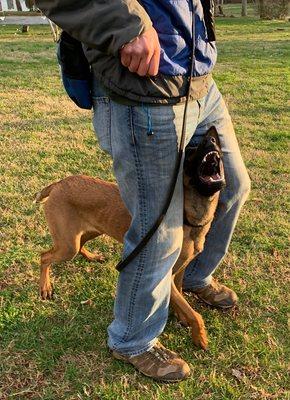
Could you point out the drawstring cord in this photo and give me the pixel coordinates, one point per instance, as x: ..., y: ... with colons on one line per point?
x: 150, y: 131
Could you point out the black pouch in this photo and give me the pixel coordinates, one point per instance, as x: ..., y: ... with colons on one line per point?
x: 75, y: 70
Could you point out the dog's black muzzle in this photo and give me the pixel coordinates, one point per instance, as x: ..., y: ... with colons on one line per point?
x: 204, y: 165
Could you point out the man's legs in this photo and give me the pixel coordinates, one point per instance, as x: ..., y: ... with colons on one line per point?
x: 214, y: 112
x: 144, y: 165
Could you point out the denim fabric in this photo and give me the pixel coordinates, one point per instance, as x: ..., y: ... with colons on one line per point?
x: 143, y: 141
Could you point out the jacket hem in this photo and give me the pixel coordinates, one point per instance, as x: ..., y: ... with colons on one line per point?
x: 199, y: 88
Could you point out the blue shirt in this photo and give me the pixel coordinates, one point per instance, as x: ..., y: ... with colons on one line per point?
x: 172, y: 20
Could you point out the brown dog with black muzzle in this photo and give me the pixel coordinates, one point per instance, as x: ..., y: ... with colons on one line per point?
x: 80, y: 208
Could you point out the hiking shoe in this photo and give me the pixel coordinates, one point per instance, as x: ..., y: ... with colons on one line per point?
x: 158, y: 363
x: 216, y: 295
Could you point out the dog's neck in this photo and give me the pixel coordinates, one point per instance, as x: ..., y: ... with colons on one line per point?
x: 198, y: 209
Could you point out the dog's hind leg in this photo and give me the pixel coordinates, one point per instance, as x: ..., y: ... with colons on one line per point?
x: 45, y: 286
x: 66, y: 237
x: 91, y: 256
x: 54, y: 256
x: 65, y: 248
x: 85, y: 252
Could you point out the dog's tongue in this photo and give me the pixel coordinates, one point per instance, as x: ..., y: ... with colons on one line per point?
x: 216, y: 177
x: 211, y: 178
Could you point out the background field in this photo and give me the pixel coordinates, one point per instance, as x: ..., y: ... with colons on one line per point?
x: 57, y: 350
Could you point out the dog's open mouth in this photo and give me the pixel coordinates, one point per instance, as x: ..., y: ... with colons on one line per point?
x: 211, y: 169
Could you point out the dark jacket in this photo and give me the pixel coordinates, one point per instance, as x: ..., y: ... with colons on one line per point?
x: 105, y: 26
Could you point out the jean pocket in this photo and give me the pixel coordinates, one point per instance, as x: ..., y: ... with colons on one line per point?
x: 102, y: 122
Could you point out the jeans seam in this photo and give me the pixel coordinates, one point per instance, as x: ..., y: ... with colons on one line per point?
x: 106, y: 103
x: 143, y: 212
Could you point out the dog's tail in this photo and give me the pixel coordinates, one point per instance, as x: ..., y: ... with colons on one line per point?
x: 42, y: 196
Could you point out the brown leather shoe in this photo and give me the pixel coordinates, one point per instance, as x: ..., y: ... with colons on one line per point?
x: 217, y: 295
x: 158, y: 363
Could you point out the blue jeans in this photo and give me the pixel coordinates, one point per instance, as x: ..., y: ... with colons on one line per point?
x: 143, y: 141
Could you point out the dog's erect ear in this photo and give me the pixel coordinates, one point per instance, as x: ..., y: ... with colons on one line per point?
x: 190, y: 153
x: 212, y: 132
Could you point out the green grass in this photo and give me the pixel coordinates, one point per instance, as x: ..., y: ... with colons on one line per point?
x: 57, y: 350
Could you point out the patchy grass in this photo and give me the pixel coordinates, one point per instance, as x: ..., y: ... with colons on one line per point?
x: 57, y: 350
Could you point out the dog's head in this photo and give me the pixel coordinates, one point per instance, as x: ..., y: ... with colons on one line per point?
x: 203, y: 164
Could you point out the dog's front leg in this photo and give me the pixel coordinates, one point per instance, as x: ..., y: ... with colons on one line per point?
x: 190, y: 317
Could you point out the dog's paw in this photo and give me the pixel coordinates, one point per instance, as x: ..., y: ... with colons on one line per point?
x: 98, y: 257
x: 46, y: 293
x: 199, y: 337
x: 92, y: 256
x: 181, y: 318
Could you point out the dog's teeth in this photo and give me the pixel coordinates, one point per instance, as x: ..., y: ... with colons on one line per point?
x: 215, y: 153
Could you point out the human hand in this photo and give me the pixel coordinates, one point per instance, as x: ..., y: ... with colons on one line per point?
x: 142, y: 55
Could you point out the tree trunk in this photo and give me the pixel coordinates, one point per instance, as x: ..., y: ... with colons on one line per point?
x: 215, y: 8
x: 244, y: 8
x: 218, y: 9
x: 268, y: 10
x: 25, y: 28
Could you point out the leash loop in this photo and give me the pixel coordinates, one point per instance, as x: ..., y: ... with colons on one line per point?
x: 123, y: 263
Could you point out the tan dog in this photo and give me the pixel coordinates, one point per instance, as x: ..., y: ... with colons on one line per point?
x: 80, y: 208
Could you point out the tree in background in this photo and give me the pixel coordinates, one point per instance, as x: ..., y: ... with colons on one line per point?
x: 244, y: 8
x: 218, y: 7
x: 269, y: 9
x: 31, y: 4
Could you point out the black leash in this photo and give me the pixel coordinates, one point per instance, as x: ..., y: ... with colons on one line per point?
x: 122, y: 264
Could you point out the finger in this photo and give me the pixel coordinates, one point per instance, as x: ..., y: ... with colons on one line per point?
x: 134, y: 64
x: 125, y: 59
x: 154, y: 63
x: 143, y: 66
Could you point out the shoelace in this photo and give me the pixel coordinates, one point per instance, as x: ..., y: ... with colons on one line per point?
x: 215, y: 285
x: 159, y: 353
